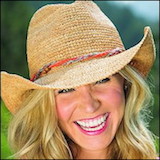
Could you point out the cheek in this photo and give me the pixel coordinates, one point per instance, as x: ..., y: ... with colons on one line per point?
x: 114, y: 98
x: 64, y: 108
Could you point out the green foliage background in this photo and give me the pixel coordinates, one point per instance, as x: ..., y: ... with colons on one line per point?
x: 15, y: 17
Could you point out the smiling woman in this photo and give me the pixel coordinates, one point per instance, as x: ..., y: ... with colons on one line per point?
x: 91, y: 114
x: 87, y: 96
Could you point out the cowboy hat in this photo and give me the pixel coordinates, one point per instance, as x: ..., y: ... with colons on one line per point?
x: 70, y: 45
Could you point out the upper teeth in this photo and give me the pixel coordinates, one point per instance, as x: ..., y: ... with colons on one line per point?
x: 93, y: 122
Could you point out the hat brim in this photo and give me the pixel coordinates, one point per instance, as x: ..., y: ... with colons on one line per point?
x: 143, y: 55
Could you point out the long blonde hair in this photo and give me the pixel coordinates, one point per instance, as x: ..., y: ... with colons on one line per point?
x: 133, y: 139
x: 34, y: 132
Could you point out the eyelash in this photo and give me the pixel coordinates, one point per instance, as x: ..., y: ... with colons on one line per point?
x: 66, y: 90
x: 103, y: 81
x: 72, y: 89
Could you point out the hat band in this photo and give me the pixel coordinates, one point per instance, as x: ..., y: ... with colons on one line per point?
x: 45, y: 69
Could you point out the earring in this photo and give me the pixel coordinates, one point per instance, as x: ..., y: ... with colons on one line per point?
x: 125, y: 87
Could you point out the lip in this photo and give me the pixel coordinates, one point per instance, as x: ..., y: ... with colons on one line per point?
x: 94, y: 118
x: 97, y: 132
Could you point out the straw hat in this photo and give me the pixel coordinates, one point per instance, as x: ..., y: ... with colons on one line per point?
x: 70, y: 45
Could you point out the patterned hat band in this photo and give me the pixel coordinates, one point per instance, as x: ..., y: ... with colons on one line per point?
x: 45, y: 69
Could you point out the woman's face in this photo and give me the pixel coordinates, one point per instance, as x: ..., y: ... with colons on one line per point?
x: 90, y: 114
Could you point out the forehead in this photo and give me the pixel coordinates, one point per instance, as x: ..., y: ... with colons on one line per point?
x: 116, y: 76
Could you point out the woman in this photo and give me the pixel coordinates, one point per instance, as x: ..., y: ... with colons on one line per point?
x: 87, y: 95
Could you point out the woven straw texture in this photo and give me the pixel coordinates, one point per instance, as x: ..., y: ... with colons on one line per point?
x: 64, y: 31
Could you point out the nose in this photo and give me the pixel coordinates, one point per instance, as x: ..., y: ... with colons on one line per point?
x: 87, y: 99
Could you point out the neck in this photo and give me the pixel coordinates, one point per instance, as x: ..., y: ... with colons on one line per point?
x: 81, y: 153
x: 91, y: 154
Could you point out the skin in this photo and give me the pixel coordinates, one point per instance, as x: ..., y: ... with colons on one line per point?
x: 89, y: 101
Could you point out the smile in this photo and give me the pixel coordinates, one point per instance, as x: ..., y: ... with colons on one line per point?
x: 93, y: 126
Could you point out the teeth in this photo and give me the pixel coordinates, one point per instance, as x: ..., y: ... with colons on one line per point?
x: 106, y: 115
x: 99, y: 121
x: 93, y: 123
x: 102, y: 119
x: 87, y: 124
x: 94, y: 129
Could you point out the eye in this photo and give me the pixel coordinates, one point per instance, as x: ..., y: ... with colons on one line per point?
x: 66, y: 90
x: 103, y: 81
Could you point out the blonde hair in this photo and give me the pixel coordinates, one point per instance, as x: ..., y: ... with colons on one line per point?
x: 133, y: 139
x: 34, y: 132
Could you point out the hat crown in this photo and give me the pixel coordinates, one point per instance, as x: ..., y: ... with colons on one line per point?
x: 60, y: 31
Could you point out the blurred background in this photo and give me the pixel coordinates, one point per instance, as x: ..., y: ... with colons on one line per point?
x: 130, y: 18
